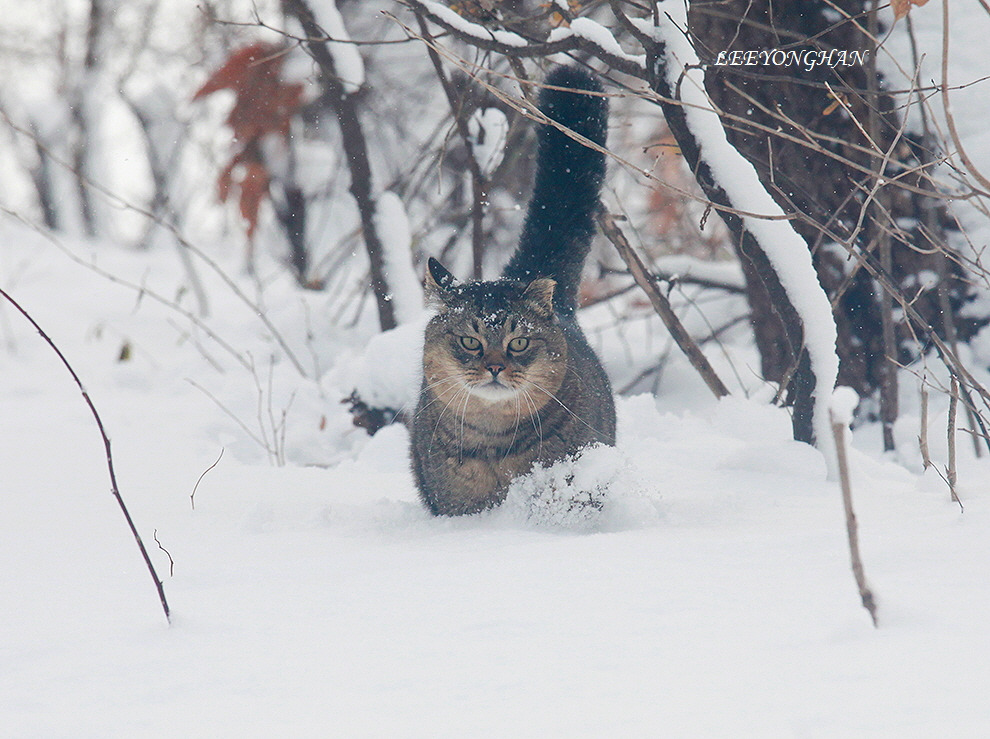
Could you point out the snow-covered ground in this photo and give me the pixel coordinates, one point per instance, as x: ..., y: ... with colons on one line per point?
x: 313, y: 596
x: 714, y: 597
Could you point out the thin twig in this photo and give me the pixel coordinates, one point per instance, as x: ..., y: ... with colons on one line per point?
x: 140, y: 289
x: 263, y: 443
x: 936, y: 234
x: 479, y: 182
x: 950, y: 470
x: 926, y: 457
x: 106, y: 445
x: 950, y: 121
x: 192, y: 497
x: 852, y: 528
x: 180, y: 239
x: 881, y: 236
x: 171, y: 562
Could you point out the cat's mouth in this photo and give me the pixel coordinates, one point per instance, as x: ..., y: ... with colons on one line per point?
x: 493, y: 391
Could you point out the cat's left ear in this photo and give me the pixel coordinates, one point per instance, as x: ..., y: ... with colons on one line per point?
x: 539, y: 294
x: 438, y: 281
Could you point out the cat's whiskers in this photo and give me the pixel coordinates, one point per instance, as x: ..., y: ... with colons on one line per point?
x: 450, y: 380
x: 460, y: 445
x: 515, y: 429
x: 410, y: 403
x: 534, y: 418
x: 461, y: 389
x: 562, y: 405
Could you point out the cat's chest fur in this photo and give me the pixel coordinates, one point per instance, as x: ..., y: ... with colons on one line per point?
x: 468, y: 449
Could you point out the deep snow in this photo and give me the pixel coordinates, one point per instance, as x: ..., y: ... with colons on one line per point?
x: 713, y: 597
x: 716, y: 599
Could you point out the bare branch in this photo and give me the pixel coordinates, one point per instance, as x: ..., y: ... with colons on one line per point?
x: 950, y: 469
x: 852, y: 528
x: 171, y: 562
x: 192, y: 496
x: 479, y: 183
x: 926, y: 457
x: 660, y: 303
x: 106, y: 446
x: 356, y: 150
x: 183, y: 243
x: 950, y: 121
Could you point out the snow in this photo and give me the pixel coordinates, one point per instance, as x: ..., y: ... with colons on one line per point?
x: 393, y: 231
x: 388, y: 372
x: 346, y: 58
x: 463, y: 25
x: 843, y: 405
x: 488, y: 128
x: 704, y: 590
x: 710, y: 595
x: 786, y: 250
x: 597, y: 34
x: 597, y: 489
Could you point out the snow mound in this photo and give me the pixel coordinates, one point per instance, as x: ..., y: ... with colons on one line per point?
x: 599, y: 488
x: 388, y: 372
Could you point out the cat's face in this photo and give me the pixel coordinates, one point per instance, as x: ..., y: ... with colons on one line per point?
x: 495, y: 343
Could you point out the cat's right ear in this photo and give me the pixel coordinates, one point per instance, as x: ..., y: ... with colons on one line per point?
x: 438, y: 282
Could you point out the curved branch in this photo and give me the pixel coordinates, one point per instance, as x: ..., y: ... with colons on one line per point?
x: 106, y: 445
x: 814, y: 377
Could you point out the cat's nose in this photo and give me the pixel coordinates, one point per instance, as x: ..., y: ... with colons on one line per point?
x: 495, y: 369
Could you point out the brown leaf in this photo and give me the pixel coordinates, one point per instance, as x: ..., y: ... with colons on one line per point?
x: 264, y: 104
x: 243, y: 68
x: 902, y: 7
x: 254, y: 188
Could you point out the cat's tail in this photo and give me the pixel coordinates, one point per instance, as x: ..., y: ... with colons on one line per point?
x: 560, y: 221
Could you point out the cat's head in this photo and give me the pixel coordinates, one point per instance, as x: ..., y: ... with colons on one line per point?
x: 498, y: 340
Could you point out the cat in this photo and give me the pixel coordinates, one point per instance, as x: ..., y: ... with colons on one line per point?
x: 509, y: 379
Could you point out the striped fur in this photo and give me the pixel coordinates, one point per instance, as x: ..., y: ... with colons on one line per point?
x: 509, y: 378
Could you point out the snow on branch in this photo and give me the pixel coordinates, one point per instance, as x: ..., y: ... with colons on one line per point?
x: 394, y: 232
x: 596, y: 34
x: 346, y: 58
x: 588, y: 36
x: 462, y: 26
x: 731, y: 181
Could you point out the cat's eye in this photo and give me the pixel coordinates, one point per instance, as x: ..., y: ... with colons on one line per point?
x: 519, y: 345
x: 470, y: 343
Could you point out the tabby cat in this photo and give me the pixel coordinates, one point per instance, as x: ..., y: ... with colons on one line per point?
x: 509, y: 379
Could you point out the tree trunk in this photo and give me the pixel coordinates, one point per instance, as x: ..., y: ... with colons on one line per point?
x: 356, y: 152
x: 829, y: 181
x: 762, y: 279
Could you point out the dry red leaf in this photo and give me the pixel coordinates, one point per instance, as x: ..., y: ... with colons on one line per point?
x: 242, y: 68
x: 248, y: 173
x: 902, y: 7
x: 264, y: 105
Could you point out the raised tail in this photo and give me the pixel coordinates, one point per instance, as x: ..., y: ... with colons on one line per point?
x: 560, y: 221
